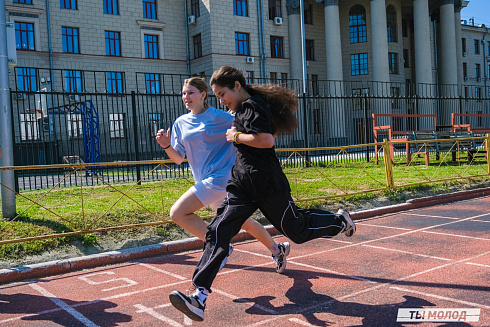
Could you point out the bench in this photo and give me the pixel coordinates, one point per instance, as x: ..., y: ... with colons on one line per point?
x: 456, y: 142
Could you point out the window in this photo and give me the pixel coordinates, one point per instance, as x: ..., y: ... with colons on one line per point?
x: 73, y: 81
x: 240, y: 8
x: 242, y: 44
x: 70, y: 39
x: 154, y: 123
x: 114, y: 82
x: 277, y: 47
x: 26, y: 2
x: 393, y: 58
x: 152, y: 83
x: 395, y: 100
x: 488, y: 48
x: 314, y: 85
x: 24, y: 36
x: 308, y: 14
x: 476, y: 44
x: 359, y: 100
x: 477, y: 71
x: 74, y: 125
x: 463, y: 46
x: 111, y: 7
x: 357, y: 24
x: 391, y: 23
x: 149, y: 9
x: 151, y: 46
x: 406, y: 59
x: 250, y: 77
x: 273, y: 77
x: 113, y: 43
x: 195, y: 10
x: 284, y: 79
x: 359, y: 64
x: 68, y: 4
x: 26, y: 79
x: 316, y: 121
x: 310, y: 49
x: 197, y: 44
x: 478, y: 93
x: 116, y: 125
x: 404, y: 28
x: 275, y: 9
x: 29, y: 127
x: 465, y: 69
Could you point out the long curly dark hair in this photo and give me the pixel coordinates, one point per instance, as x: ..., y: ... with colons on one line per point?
x: 282, y: 102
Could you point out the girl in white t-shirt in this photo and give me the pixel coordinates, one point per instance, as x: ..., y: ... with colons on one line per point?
x: 200, y: 135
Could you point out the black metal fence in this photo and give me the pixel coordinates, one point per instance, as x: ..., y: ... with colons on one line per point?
x: 52, y: 127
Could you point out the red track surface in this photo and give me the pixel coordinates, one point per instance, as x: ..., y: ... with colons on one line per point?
x: 433, y: 257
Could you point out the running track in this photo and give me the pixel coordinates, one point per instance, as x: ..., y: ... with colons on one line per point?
x: 433, y: 257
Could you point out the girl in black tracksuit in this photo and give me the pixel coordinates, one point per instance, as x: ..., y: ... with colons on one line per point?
x: 257, y: 182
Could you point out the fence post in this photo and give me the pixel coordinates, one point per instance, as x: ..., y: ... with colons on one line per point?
x: 388, y: 165
x: 366, y: 125
x: 136, y: 140
x: 487, y: 146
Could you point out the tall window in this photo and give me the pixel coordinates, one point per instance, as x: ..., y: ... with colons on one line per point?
x: 240, y: 8
x: 308, y: 14
x: 359, y: 64
x: 476, y: 45
x: 277, y: 47
x: 73, y: 81
x: 197, y: 44
x: 149, y: 9
x: 273, y: 77
x: 154, y: 123
x: 477, y: 71
x: 357, y: 24
x: 116, y: 125
x: 275, y: 9
x: 113, y: 43
x: 68, y: 4
x: 26, y: 79
x: 284, y: 79
x: 391, y: 23
x: 310, y: 49
x: 114, y: 82
x: 404, y: 28
x: 24, y: 36
x: 70, y: 39
x: 393, y: 58
x: 488, y: 48
x: 29, y: 127
x: 250, y: 77
x: 74, y: 125
x: 242, y: 44
x: 195, y: 10
x: 315, y: 90
x: 26, y: 2
x: 406, y: 59
x: 151, y: 46
x: 463, y: 46
x: 465, y: 69
x: 111, y: 7
x: 152, y: 83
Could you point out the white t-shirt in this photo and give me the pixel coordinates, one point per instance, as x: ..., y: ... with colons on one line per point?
x: 202, y: 139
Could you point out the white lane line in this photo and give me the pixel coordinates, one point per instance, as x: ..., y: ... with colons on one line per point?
x: 161, y: 270
x: 429, y: 216
x: 77, y: 315
x: 407, y: 252
x: 456, y: 235
x: 472, y: 304
x: 154, y: 314
x: 478, y: 264
x: 382, y: 226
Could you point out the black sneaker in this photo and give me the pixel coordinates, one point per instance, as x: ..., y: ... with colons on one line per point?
x: 223, y: 263
x: 191, y: 306
x: 349, y: 228
x: 280, y: 259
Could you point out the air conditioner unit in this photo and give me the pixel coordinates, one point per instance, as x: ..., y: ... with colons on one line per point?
x: 466, y: 78
x: 73, y: 97
x: 250, y: 60
x: 21, y: 96
x: 277, y: 20
x: 465, y: 54
x: 191, y: 19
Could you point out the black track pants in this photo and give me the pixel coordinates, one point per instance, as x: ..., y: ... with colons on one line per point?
x: 299, y: 225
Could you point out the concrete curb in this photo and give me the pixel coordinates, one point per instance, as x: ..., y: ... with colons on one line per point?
x: 50, y: 268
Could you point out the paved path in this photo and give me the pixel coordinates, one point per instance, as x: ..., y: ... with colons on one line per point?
x: 436, y: 257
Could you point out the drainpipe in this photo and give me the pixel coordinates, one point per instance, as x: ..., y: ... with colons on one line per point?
x: 260, y: 20
x: 188, y: 55
x: 48, y: 18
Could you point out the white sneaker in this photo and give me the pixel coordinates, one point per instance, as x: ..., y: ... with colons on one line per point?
x: 280, y: 259
x: 190, y: 305
x: 349, y: 228
x: 223, y: 263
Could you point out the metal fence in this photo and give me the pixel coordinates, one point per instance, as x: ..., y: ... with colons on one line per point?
x: 53, y: 127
